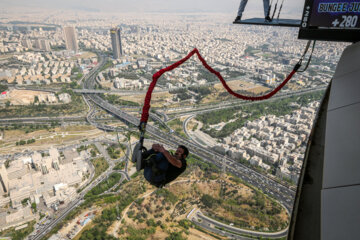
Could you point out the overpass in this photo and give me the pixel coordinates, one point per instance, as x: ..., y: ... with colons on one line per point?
x: 212, y: 107
x: 8, y: 121
x: 98, y: 91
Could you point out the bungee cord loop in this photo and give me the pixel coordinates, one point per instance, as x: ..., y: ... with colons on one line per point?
x: 157, y: 75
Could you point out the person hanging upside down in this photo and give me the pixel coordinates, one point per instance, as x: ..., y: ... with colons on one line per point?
x: 161, y: 167
x: 243, y: 5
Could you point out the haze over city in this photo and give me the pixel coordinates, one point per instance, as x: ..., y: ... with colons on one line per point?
x: 292, y: 7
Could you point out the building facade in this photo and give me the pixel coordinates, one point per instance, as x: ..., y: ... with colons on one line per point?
x: 4, y: 181
x: 116, y: 42
x: 71, y: 39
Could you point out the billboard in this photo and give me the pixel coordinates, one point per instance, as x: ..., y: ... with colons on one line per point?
x: 331, y: 20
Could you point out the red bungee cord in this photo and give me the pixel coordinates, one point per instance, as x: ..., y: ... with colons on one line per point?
x: 157, y: 75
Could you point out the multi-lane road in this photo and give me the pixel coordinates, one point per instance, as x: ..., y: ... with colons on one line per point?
x: 194, y: 110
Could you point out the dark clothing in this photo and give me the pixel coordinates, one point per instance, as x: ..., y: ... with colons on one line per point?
x: 173, y: 172
x: 158, y: 171
x: 156, y: 167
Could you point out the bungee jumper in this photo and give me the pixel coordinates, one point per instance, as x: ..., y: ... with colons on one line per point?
x: 160, y: 167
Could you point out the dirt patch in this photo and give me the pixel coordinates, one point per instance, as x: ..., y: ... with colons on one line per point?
x: 192, y: 125
x: 16, y: 135
x: 257, y: 90
x: 157, y: 99
x: 45, y: 139
x: 25, y: 97
x: 239, y: 85
x: 196, y: 235
x: 86, y: 55
x: 107, y: 84
x: 78, y: 128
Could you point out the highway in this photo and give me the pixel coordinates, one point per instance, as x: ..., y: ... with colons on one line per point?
x: 90, y: 117
x: 237, y: 103
x: 235, y: 232
x: 41, y: 119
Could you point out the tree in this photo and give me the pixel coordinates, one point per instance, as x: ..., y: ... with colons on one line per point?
x: 175, y: 236
x: 7, y: 163
x: 151, y: 223
x: 3, y: 88
x: 24, y: 201
x: 33, y: 206
x: 208, y: 200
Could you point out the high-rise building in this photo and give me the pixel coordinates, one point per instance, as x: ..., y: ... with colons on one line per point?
x: 4, y: 181
x: 71, y: 39
x: 116, y: 42
x: 42, y: 44
x: 45, y: 45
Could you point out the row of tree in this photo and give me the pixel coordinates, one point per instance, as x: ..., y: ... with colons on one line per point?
x: 23, y: 142
x: 279, y: 107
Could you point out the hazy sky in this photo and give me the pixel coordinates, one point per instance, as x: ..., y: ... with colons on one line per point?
x: 221, y: 6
